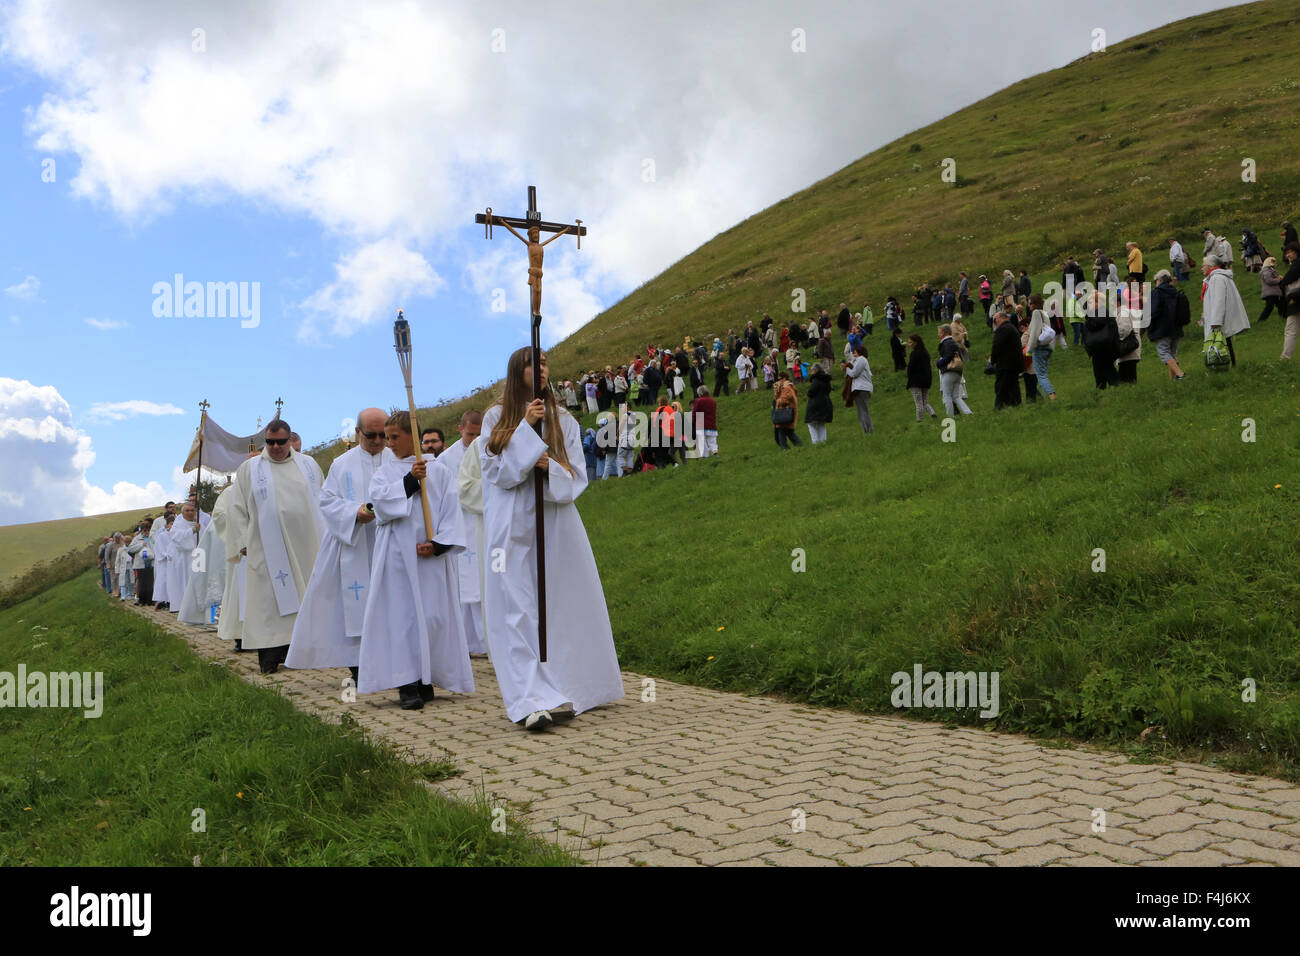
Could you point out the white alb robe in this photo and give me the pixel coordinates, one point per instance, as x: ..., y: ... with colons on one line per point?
x: 230, y: 623
x: 412, y: 628
x: 581, y: 666
x: 469, y: 487
x: 184, y: 541
x: 162, y: 562
x: 328, y: 630
x: 297, y: 505
x: 208, y: 584
x: 471, y: 607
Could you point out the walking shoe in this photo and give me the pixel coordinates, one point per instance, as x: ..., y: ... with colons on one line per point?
x: 538, y: 720
x: 268, y: 659
x: 426, y: 691
x: 408, y: 697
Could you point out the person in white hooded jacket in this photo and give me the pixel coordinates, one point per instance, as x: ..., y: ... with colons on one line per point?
x: 1222, y: 308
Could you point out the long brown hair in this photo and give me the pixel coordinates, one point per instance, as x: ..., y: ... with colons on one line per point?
x: 515, y: 396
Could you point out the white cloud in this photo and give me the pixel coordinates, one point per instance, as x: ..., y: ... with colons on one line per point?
x: 107, y: 325
x: 391, y: 123
x: 44, y: 458
x: 369, y: 285
x: 25, y: 290
x: 120, y: 411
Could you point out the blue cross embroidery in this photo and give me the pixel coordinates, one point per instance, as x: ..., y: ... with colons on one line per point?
x: 280, y: 577
x: 356, y: 587
x: 348, y: 489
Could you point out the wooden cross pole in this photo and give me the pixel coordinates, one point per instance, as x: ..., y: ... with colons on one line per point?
x: 534, y: 226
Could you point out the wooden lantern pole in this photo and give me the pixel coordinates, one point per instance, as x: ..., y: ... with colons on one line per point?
x: 402, y: 343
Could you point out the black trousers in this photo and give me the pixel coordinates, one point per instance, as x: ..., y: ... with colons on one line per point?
x: 721, y: 385
x: 1031, y: 387
x: 144, y: 586
x: 1127, y: 372
x: 1103, y: 369
x: 785, y: 435
x: 1006, y: 389
x: 1270, y: 303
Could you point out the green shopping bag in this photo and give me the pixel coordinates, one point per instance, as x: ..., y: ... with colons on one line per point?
x: 1215, y: 350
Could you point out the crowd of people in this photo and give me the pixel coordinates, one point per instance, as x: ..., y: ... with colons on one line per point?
x: 1111, y: 318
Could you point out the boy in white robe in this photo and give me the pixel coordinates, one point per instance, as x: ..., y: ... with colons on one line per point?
x: 581, y: 667
x: 411, y: 637
x: 162, y: 561
x: 230, y: 625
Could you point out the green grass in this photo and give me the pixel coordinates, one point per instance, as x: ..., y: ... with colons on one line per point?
x: 277, y: 786
x: 24, y: 545
x: 977, y: 555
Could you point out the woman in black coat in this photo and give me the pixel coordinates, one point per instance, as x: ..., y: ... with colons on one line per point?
x: 920, y: 376
x: 820, y: 409
x: 1101, y: 339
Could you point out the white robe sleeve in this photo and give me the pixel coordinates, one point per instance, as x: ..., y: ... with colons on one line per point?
x: 469, y: 483
x: 238, y: 516
x: 444, y: 508
x: 339, y: 512
x: 388, y: 493
x: 561, y: 487
x: 515, y: 464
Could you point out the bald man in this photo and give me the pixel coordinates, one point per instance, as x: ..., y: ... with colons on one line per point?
x: 327, y: 632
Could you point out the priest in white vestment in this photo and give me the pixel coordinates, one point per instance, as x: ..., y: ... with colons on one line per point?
x: 328, y: 630
x: 412, y: 636
x: 207, y: 579
x: 185, y: 539
x: 162, y: 562
x: 471, y: 606
x: 277, y: 521
x: 230, y: 622
x: 581, y: 667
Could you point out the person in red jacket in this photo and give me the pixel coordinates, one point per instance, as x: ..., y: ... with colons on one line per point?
x: 705, y: 412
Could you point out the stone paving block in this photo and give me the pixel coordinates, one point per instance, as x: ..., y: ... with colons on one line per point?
x: 1033, y: 856
x: 1026, y: 821
x: 885, y: 835
x: 1250, y: 818
x: 1029, y: 837
x: 966, y: 849
x: 1211, y: 856
x: 1248, y: 850
x: 942, y: 858
x: 795, y: 856
x: 881, y: 855
x: 1168, y: 823
x: 1178, y: 841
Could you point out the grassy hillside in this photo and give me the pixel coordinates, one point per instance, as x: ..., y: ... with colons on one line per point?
x: 979, y: 554
x: 23, y: 545
x: 1141, y: 142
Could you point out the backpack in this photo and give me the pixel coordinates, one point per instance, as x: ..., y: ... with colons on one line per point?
x: 1182, y: 309
x: 1217, y: 356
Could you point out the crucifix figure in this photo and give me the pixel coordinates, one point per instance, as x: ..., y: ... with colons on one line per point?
x: 279, y: 404
x: 533, y: 225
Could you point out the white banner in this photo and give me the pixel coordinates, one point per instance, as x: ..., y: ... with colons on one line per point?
x: 222, y: 451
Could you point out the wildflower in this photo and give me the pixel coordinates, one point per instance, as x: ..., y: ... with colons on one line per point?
x: 723, y: 628
x: 240, y: 795
x: 709, y: 658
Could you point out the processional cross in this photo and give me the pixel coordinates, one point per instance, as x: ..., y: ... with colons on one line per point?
x: 534, y: 226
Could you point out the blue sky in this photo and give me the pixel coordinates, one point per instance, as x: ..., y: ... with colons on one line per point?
x: 336, y: 154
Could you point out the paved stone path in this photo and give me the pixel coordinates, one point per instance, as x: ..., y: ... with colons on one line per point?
x: 702, y: 777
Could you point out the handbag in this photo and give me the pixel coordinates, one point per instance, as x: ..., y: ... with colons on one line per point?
x: 1048, y: 335
x: 1215, y: 349
x: 990, y: 368
x: 1128, y: 344
x: 782, y: 416
x: 956, y: 363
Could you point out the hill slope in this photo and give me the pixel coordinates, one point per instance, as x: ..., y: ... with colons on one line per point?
x: 1141, y: 142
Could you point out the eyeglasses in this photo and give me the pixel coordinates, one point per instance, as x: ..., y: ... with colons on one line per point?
x: 277, y: 441
x: 371, y: 436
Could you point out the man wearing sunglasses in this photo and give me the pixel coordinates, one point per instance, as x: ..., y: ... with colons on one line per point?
x: 327, y: 632
x: 276, y: 518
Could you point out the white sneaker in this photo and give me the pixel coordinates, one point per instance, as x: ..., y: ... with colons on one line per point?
x: 538, y: 720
